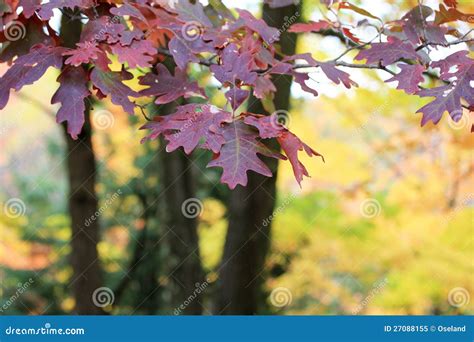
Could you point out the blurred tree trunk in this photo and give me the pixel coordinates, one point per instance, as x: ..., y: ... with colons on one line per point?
x: 185, y: 263
x: 178, y: 185
x: 83, y: 203
x: 247, y: 240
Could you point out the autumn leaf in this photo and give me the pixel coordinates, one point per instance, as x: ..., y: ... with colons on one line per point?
x: 71, y: 94
x: 167, y: 87
x: 110, y: 83
x: 239, y: 154
x: 388, y: 53
x: 409, y: 77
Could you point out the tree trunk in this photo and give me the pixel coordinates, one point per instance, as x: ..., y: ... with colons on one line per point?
x: 186, y: 272
x: 83, y: 203
x: 177, y: 204
x: 248, y: 240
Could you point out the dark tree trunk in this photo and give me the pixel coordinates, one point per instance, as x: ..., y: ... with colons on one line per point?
x: 185, y: 262
x: 83, y: 203
x: 177, y: 181
x: 247, y: 241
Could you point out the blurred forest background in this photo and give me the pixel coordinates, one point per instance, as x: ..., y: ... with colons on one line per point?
x: 384, y: 226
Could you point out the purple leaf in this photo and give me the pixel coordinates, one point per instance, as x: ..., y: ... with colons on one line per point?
x: 409, y: 77
x: 246, y: 19
x: 110, y: 83
x: 138, y: 54
x: 46, y: 11
x: 235, y: 67
x: 167, y: 87
x: 448, y: 97
x: 189, y: 125
x: 236, y: 97
x: 29, y: 68
x: 336, y: 75
x: 239, y: 154
x: 71, y: 94
x: 388, y: 53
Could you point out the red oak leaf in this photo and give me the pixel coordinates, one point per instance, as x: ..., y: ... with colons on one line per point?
x: 409, y: 77
x: 263, y: 87
x: 184, y: 48
x: 127, y: 37
x: 448, y: 97
x: 29, y: 68
x: 336, y: 75
x: 29, y: 7
x: 451, y: 3
x: 191, y: 12
x: 312, y: 26
x: 189, y: 125
x: 235, y: 67
x: 239, y: 154
x: 71, y: 94
x: 417, y: 28
x: 269, y: 127
x: 246, y: 19
x: 138, y: 54
x: 446, y: 15
x: 46, y: 11
x: 347, y: 5
x: 127, y: 9
x: 348, y: 33
x: 388, y: 53
x: 167, y: 87
x: 291, y: 145
x: 236, y: 97
x: 301, y: 78
x: 104, y: 28
x: 110, y: 83
x: 454, y: 61
x: 85, y: 53
x: 283, y: 68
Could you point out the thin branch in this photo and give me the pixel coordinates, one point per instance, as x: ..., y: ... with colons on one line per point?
x: 349, y: 65
x: 455, y: 42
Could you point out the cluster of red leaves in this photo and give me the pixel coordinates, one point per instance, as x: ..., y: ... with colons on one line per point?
x: 237, y: 48
x: 408, y: 45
